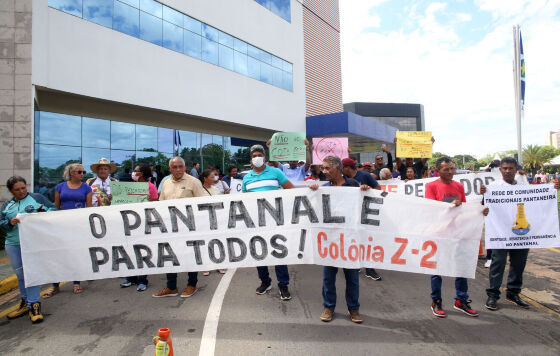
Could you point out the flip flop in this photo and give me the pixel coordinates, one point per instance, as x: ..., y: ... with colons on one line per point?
x: 51, y: 292
x: 78, y: 289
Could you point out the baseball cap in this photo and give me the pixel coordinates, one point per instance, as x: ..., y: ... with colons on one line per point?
x: 367, y: 164
x: 348, y: 162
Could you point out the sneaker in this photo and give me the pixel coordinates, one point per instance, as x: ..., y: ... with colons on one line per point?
x: 372, y: 274
x: 20, y: 311
x: 488, y: 263
x: 141, y: 287
x: 515, y: 299
x: 284, y: 293
x: 437, y: 308
x: 188, y: 292
x: 166, y: 292
x: 491, y: 303
x: 263, y: 288
x: 126, y: 283
x: 465, y: 307
x: 327, y: 315
x: 355, y: 316
x: 35, y: 313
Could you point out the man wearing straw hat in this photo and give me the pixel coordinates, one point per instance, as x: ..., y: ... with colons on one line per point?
x: 101, y: 185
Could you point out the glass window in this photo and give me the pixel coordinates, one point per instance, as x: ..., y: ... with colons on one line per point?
x: 146, y: 157
x: 226, y: 57
x: 240, y: 62
x: 188, y: 146
x: 96, y: 133
x: 146, y: 138
x: 36, y: 125
x: 60, y: 129
x: 287, y: 81
x: 152, y: 7
x: 210, y: 32
x: 173, y: 16
x: 277, y: 62
x: 265, y: 57
x: 126, y: 19
x: 165, y: 140
x: 192, y: 25
x: 212, y: 151
x: 99, y: 11
x: 54, y: 158
x: 172, y: 36
x: 125, y: 161
x: 226, y: 39
x: 266, y: 73
x: 264, y: 3
x: 92, y: 155
x: 150, y: 28
x: 253, y: 51
x: 122, y: 136
x: 239, y: 45
x: 192, y: 44
x: 254, y: 68
x: 287, y: 67
x: 133, y: 3
x: 281, y: 8
x: 73, y: 7
x: 277, y: 77
x: 209, y: 51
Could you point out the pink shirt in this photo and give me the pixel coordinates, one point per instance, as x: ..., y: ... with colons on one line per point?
x: 152, y: 190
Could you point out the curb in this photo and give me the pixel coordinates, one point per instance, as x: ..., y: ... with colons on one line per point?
x: 8, y: 284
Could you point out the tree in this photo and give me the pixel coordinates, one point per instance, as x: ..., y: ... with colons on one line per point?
x: 534, y: 156
x: 435, y: 157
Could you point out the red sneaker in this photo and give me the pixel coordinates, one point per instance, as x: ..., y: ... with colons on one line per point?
x: 437, y: 309
x: 465, y: 307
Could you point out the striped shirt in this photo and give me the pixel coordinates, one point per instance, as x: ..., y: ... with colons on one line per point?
x: 269, y: 179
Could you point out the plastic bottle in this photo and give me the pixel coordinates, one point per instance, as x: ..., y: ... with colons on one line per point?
x: 164, y: 346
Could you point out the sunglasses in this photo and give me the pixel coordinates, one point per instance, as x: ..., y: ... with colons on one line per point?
x: 80, y: 172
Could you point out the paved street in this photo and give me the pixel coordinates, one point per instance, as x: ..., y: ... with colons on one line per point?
x: 108, y: 320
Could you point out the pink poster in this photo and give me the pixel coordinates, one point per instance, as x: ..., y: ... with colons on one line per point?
x: 329, y: 146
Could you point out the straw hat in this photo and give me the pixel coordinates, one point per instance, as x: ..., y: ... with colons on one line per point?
x: 103, y: 162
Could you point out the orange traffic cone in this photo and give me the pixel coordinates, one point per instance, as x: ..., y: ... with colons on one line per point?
x: 164, y: 346
x: 480, y: 249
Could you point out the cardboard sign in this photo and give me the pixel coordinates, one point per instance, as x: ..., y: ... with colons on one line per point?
x: 414, y: 144
x: 129, y: 192
x: 288, y: 146
x: 329, y: 146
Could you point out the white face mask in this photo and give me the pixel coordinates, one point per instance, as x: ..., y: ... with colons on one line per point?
x: 258, y: 162
x: 216, y: 178
x: 134, y: 176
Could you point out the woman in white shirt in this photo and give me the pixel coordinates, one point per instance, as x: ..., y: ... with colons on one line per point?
x: 208, y: 180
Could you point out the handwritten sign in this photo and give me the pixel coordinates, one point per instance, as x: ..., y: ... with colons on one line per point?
x: 329, y: 146
x: 288, y: 146
x: 129, y: 192
x: 414, y: 144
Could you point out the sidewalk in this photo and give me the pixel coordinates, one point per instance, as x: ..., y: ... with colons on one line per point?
x: 8, y: 280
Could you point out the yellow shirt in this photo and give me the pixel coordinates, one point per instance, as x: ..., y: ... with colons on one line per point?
x: 186, y: 187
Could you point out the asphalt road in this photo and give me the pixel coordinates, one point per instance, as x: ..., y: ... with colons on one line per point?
x: 108, y: 320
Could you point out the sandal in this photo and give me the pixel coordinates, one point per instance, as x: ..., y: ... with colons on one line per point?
x: 78, y: 289
x: 50, y: 292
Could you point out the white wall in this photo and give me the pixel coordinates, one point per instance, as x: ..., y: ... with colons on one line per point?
x: 77, y: 56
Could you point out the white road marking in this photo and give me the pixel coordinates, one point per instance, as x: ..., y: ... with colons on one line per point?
x: 208, y: 341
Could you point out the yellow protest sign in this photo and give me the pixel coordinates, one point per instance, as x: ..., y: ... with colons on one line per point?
x: 414, y: 144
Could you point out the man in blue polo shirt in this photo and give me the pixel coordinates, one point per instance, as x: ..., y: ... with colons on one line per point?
x: 262, y: 178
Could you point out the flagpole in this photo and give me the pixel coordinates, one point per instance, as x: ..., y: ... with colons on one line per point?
x: 517, y: 87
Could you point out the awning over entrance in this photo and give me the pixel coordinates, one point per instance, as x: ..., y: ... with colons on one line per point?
x: 364, y: 135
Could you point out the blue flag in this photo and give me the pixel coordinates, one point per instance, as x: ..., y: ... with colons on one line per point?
x: 522, y: 71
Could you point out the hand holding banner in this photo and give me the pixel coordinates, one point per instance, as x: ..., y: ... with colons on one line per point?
x: 414, y: 144
x: 329, y: 146
x: 129, y: 192
x: 288, y: 146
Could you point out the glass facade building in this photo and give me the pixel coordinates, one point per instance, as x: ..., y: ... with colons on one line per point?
x: 164, y: 26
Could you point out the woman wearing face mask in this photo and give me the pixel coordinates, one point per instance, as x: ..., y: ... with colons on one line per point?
x: 208, y: 180
x: 142, y: 174
x: 222, y: 186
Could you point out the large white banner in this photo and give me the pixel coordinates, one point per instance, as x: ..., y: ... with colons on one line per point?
x: 522, y: 216
x: 335, y: 226
x: 417, y: 187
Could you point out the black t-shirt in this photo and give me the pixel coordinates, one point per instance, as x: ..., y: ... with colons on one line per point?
x: 418, y: 167
x: 349, y: 183
x: 389, y: 165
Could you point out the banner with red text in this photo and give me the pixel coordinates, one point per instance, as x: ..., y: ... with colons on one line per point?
x: 334, y: 226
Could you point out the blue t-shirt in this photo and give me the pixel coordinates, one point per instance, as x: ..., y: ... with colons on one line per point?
x: 365, y: 178
x: 269, y: 179
x: 72, y: 198
x: 296, y: 174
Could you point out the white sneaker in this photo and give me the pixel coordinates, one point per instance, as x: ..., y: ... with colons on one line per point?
x: 488, y: 263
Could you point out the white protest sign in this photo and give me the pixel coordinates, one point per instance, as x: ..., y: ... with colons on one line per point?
x: 521, y: 216
x: 236, y: 186
x: 471, y: 183
x: 335, y: 226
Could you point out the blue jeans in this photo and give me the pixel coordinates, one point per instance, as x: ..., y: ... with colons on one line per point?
x: 461, y: 288
x: 138, y: 279
x: 352, y: 287
x: 30, y: 294
x: 282, y: 275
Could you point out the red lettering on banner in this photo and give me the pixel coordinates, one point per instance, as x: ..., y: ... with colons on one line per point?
x: 342, y: 247
x: 333, y: 251
x: 424, y: 262
x: 396, y: 259
x: 353, y: 256
x: 321, y: 236
x: 378, y: 254
x: 392, y: 188
x: 354, y: 252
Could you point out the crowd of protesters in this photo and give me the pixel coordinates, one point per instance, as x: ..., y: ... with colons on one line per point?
x: 265, y: 175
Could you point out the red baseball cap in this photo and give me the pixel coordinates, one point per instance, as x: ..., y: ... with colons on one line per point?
x: 348, y: 162
x: 367, y: 164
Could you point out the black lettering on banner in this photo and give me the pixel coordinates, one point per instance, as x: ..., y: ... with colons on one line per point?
x: 126, y: 222
x: 242, y: 215
x: 212, y: 251
x: 282, y: 249
x: 188, y: 220
x: 276, y: 213
x: 233, y: 257
x: 466, y: 185
x: 366, y: 210
x: 157, y: 221
x: 196, y: 246
x: 211, y: 207
x: 98, y: 235
x: 477, y: 183
x: 253, y: 248
x: 95, y: 261
x: 488, y: 180
x: 418, y: 188
x: 120, y: 256
x: 146, y: 258
x: 327, y: 217
x: 164, y: 257
x: 408, y: 189
x: 307, y: 211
